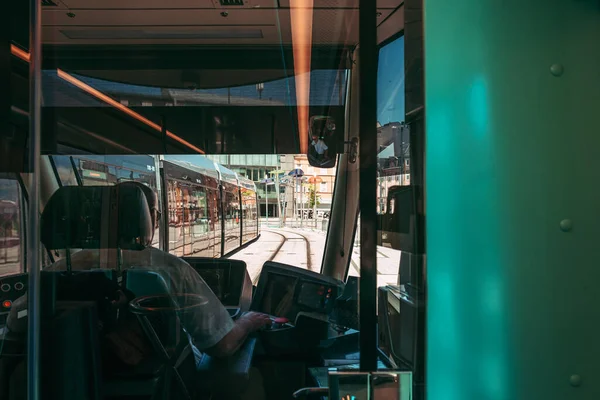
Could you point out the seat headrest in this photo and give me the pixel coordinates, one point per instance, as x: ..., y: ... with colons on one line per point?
x: 96, y: 217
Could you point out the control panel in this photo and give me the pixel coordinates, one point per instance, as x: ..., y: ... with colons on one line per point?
x: 11, y: 288
x: 315, y: 295
x: 285, y: 291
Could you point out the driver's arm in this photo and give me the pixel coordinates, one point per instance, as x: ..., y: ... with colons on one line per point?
x: 210, y: 325
x: 233, y: 340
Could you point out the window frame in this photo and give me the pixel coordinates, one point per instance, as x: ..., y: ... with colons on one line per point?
x: 380, y: 46
x: 23, y: 203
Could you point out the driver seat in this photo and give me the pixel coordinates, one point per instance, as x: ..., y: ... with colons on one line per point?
x: 76, y: 302
x: 98, y: 218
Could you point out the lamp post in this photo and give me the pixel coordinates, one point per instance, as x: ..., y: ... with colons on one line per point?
x: 297, y: 174
x: 315, y: 198
x: 301, y: 203
x: 314, y: 180
x: 266, y: 200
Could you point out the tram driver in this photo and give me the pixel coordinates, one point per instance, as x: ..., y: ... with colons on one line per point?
x: 212, y: 329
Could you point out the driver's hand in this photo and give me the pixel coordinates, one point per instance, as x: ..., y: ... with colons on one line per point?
x: 255, y: 321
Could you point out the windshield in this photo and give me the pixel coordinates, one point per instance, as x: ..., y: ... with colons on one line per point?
x: 262, y: 197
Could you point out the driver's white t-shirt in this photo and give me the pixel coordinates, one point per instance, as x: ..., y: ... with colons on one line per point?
x: 207, y: 326
x: 320, y: 146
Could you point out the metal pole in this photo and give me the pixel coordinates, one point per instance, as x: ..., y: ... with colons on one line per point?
x: 33, y: 234
x: 277, y: 194
x: 315, y: 200
x: 367, y: 91
x: 266, y: 203
x: 301, y: 204
x: 294, y: 213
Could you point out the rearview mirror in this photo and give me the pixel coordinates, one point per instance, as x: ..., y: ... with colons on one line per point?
x: 322, y: 141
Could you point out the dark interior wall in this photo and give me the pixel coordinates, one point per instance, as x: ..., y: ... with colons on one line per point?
x: 415, y: 101
x: 414, y: 86
x: 216, y: 130
x: 14, y: 24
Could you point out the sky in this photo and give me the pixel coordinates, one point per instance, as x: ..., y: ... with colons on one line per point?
x: 390, y: 83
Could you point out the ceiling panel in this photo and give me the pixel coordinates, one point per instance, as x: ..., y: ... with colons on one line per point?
x: 160, y: 17
x: 162, y: 4
x: 249, y: 4
x: 346, y: 3
x: 136, y: 4
x: 191, y: 26
x: 159, y: 35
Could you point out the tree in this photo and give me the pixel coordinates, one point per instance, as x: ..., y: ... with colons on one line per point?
x: 313, y: 197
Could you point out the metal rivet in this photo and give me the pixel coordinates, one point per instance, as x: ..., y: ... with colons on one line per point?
x: 575, y: 380
x: 566, y: 225
x: 557, y: 69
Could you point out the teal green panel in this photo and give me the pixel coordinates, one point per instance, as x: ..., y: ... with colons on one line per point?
x: 512, y: 149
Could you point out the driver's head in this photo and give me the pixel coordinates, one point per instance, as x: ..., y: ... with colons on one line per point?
x: 151, y: 198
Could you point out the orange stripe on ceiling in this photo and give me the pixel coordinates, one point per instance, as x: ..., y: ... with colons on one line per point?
x: 23, y: 55
x: 301, y: 14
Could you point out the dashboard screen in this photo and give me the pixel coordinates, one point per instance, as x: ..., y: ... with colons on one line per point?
x: 278, y: 299
x: 286, y: 295
x: 218, y: 279
x: 226, y: 278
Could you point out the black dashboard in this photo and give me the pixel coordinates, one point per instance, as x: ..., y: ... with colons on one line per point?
x: 285, y: 291
x: 228, y: 279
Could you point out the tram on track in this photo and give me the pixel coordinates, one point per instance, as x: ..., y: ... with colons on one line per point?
x: 210, y: 211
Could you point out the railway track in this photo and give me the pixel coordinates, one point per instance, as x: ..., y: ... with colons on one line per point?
x: 284, y: 252
x: 278, y: 245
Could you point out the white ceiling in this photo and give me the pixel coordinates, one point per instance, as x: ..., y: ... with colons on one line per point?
x: 258, y: 22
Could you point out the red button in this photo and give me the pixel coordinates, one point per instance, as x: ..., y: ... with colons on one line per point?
x: 281, y: 320
x: 6, y: 303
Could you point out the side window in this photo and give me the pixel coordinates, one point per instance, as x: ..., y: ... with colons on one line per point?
x: 393, y: 144
x: 64, y: 169
x: 12, y: 239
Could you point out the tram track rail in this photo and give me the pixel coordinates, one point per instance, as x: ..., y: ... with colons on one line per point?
x: 285, y: 239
